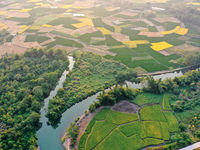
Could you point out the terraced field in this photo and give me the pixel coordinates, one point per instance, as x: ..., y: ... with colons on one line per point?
x: 118, y: 33
x: 110, y: 130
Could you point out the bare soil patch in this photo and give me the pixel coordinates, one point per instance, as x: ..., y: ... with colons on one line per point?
x: 9, y: 49
x: 127, y: 13
x: 102, y: 50
x: 151, y: 34
x: 67, y: 48
x: 184, y: 38
x: 113, y: 18
x: 120, y: 37
x: 112, y: 8
x: 107, y: 21
x: 182, y: 49
x: 160, y: 28
x: 167, y: 19
x: 84, y: 30
x: 19, y: 41
x: 126, y: 107
x: 84, y: 4
x: 44, y: 29
x: 144, y: 20
x: 164, y: 52
x: 17, y: 14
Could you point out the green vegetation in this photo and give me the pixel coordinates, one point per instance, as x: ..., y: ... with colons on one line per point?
x: 31, y: 38
x: 120, y: 118
x: 64, y: 42
x: 9, y: 39
x: 165, y: 130
x: 147, y: 98
x: 152, y: 141
x: 152, y: 129
x: 133, y: 128
x: 41, y: 39
x: 116, y: 140
x: 90, y: 125
x: 91, y: 72
x: 82, y: 140
x: 101, y: 115
x: 152, y: 113
x: 3, y: 34
x: 165, y: 103
x: 26, y: 80
x: 99, y: 131
x: 173, y: 123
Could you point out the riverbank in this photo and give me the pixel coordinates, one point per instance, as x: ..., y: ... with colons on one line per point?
x: 162, y: 72
x: 82, y: 124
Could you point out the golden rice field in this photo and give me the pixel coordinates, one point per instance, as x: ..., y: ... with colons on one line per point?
x: 23, y: 26
x: 26, y: 10
x: 182, y: 31
x: 3, y: 12
x: 104, y: 30
x: 85, y: 22
x: 67, y: 6
x: 130, y: 44
x: 34, y: 28
x: 47, y: 25
x: 171, y: 31
x: 160, y: 46
x: 24, y: 29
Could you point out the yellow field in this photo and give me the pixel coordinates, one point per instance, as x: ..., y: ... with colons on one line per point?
x: 26, y: 10
x: 34, y: 28
x: 130, y: 44
x: 33, y: 1
x: 67, y: 6
x: 24, y: 30
x: 119, y: 46
x: 77, y: 7
x: 126, y: 25
x: 157, y: 1
x: 69, y: 10
x: 45, y: 5
x: 171, y: 31
x: 194, y: 3
x: 85, y: 22
x: 23, y: 26
x: 160, y: 46
x: 141, y: 42
x: 14, y: 4
x: 182, y: 31
x: 38, y: 3
x: 5, y: 27
x: 104, y: 30
x: 47, y: 25
x: 117, y: 29
x: 3, y: 12
x: 145, y: 30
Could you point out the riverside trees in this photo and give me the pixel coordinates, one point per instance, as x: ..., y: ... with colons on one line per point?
x: 25, y: 81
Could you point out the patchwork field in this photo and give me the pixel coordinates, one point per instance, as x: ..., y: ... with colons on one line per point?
x: 111, y: 130
x: 132, y: 38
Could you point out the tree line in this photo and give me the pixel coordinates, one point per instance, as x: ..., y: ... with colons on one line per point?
x: 25, y: 81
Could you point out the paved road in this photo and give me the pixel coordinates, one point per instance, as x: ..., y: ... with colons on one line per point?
x: 191, y: 147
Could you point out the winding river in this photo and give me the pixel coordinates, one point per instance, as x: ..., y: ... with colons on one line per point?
x: 49, y: 137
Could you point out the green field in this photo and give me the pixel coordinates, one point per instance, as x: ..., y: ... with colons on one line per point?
x: 120, y: 118
x: 166, y: 102
x: 147, y: 98
x: 124, y: 131
x: 152, y: 113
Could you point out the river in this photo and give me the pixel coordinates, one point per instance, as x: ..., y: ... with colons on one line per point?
x: 49, y: 137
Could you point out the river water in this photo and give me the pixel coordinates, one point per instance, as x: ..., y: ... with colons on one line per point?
x: 49, y: 137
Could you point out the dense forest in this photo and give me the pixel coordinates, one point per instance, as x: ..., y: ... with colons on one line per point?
x: 186, y: 13
x: 90, y: 74
x: 25, y: 81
